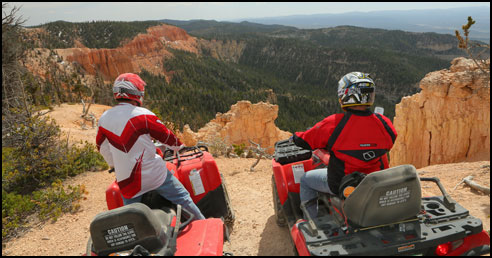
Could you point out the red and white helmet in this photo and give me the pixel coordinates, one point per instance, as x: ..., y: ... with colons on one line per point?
x: 129, y: 86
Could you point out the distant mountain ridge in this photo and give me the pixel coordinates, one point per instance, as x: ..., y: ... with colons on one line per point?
x: 443, y: 21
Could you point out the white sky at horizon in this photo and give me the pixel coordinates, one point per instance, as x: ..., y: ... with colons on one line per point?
x: 37, y: 13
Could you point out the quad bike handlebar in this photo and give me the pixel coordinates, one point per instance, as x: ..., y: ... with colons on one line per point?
x: 194, y: 152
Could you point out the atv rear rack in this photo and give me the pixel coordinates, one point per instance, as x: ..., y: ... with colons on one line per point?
x: 441, y: 220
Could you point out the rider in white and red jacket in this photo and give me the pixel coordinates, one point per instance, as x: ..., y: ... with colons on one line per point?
x: 124, y: 139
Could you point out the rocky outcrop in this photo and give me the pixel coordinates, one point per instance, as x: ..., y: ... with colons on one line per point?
x: 227, y: 50
x: 244, y: 122
x: 448, y: 121
x: 144, y: 51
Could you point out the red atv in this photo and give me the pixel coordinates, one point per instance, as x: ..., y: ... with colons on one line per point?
x: 382, y: 213
x: 158, y: 227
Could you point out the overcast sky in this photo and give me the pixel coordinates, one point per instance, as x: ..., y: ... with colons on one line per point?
x: 42, y: 12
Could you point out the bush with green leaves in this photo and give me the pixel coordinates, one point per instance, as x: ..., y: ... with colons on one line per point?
x: 239, y: 148
x: 32, y: 182
x: 39, y: 158
x: 47, y: 203
x: 32, y: 179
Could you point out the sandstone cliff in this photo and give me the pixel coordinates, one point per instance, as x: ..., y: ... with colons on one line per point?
x: 244, y: 122
x: 448, y: 121
x: 144, y: 51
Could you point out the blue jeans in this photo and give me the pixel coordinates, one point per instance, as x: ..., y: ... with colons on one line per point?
x: 175, y: 192
x: 312, y: 182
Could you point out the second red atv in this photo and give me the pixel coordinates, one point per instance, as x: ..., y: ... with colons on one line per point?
x: 381, y: 214
x: 157, y: 226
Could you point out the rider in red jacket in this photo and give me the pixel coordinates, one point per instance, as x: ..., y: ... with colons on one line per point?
x: 358, y: 140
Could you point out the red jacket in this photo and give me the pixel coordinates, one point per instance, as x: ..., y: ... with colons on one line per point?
x: 356, y: 140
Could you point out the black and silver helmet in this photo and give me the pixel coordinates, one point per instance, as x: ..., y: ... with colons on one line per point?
x: 356, y: 89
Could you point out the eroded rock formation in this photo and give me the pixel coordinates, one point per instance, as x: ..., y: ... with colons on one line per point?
x: 144, y: 51
x: 244, y: 122
x: 448, y: 121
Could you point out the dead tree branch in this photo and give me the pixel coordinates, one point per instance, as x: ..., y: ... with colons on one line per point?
x: 261, y: 152
x: 468, y: 180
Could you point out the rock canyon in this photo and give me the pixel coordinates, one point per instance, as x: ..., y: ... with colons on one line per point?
x: 448, y: 121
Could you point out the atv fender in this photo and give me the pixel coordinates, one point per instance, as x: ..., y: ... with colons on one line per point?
x: 285, y: 177
x: 172, y: 168
x: 201, y: 238
x: 471, y: 242
x: 299, y: 241
x: 113, y: 196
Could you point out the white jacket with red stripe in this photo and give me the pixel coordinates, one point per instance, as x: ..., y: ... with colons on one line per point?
x: 124, y: 140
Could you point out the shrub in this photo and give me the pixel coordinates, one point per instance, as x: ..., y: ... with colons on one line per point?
x: 32, y: 182
x: 216, y: 146
x: 26, y: 171
x: 15, y: 209
x: 239, y: 148
x: 53, y: 201
x: 47, y: 203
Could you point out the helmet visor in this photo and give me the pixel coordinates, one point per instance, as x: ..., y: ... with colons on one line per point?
x: 128, y: 91
x: 358, y: 94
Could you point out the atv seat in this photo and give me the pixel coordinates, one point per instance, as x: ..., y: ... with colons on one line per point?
x: 125, y: 227
x: 385, y: 196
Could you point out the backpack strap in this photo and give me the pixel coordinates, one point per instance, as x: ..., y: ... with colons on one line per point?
x: 337, y: 131
x: 387, y: 127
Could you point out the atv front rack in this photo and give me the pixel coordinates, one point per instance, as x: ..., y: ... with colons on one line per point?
x: 191, y: 152
x: 287, y: 152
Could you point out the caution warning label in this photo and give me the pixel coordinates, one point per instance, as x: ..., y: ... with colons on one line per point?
x: 393, y: 197
x: 120, y: 235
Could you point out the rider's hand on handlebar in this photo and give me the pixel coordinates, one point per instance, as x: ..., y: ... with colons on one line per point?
x: 177, y: 148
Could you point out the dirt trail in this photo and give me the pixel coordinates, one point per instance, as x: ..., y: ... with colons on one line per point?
x: 255, y: 231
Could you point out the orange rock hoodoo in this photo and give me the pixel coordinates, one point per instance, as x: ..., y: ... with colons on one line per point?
x: 244, y: 122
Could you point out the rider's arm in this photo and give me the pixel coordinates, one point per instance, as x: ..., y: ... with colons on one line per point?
x: 160, y: 132
x: 298, y: 141
x: 317, y: 136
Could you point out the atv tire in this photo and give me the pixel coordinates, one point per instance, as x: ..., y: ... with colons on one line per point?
x: 229, y: 218
x: 279, y: 213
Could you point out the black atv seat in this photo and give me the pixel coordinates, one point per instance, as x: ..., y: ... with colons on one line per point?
x: 125, y: 227
x: 385, y: 196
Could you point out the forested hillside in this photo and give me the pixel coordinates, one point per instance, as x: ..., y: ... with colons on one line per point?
x: 312, y: 62
x: 100, y: 34
x: 315, y: 59
x: 203, y: 86
x: 296, y: 69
